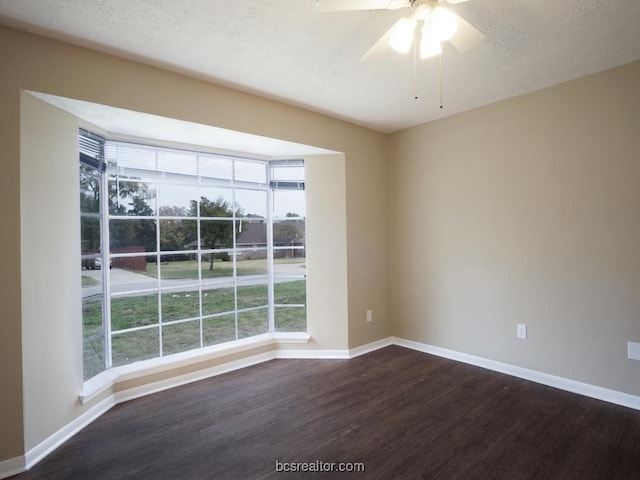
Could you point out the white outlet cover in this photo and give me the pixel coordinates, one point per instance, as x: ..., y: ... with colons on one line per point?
x: 633, y: 350
x: 521, y: 331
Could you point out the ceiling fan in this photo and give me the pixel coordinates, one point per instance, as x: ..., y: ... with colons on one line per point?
x: 439, y: 24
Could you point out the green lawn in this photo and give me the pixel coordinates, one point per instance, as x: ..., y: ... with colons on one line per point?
x: 88, y: 281
x: 189, y: 269
x: 142, y: 310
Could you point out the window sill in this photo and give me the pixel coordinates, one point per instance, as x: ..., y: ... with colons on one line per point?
x: 103, y: 381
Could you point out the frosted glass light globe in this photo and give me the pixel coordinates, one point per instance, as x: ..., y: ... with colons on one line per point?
x: 443, y: 24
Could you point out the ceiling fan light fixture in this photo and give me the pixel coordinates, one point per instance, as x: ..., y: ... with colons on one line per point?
x: 443, y: 23
x: 429, y: 44
x: 402, y: 35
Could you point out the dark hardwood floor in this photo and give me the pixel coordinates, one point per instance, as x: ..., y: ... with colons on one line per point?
x: 402, y: 413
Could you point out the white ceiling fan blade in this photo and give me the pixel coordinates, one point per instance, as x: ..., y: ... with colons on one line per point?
x: 466, y: 37
x: 399, y: 37
x: 380, y: 47
x: 346, y: 5
x: 453, y: 2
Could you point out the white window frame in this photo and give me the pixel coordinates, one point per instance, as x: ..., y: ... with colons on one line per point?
x: 197, y: 182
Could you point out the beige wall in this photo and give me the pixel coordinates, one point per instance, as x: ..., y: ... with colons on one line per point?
x: 11, y: 412
x: 50, y: 242
x: 327, y: 298
x: 33, y: 63
x: 525, y: 211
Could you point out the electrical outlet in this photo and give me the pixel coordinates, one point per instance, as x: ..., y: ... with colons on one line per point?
x: 633, y: 350
x: 369, y: 316
x: 521, y: 331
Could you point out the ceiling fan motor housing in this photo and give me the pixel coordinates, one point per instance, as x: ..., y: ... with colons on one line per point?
x: 419, y: 3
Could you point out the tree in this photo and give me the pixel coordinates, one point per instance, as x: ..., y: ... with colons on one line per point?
x: 214, y: 233
x: 174, y: 234
x: 123, y: 233
x: 129, y: 188
x: 89, y: 204
x: 127, y: 233
x: 89, y: 190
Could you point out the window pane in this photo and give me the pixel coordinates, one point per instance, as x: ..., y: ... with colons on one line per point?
x: 180, y: 337
x: 290, y: 319
x: 215, y: 207
x: 93, y: 356
x: 253, y: 322
x: 251, y: 203
x: 90, y: 183
x: 134, y: 346
x: 219, y: 329
x: 140, y: 265
x: 287, y: 203
x: 134, y: 311
x: 132, y: 198
x: 93, y: 334
x: 251, y: 234
x: 180, y: 305
x: 216, y: 265
x: 216, y: 234
x: 289, y: 233
x: 90, y: 236
x: 216, y: 202
x: 177, y: 200
x: 288, y: 292
x: 256, y: 266
x: 133, y: 235
x: 178, y: 267
x: 253, y: 295
x: 284, y: 264
x: 92, y: 327
x: 178, y: 235
x: 218, y: 300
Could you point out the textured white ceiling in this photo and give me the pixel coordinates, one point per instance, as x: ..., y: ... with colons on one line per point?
x: 283, y: 49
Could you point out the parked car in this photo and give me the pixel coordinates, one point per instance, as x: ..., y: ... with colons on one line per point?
x: 97, y: 263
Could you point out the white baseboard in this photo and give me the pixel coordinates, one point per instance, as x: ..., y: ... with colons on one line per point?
x: 336, y: 354
x: 47, y: 446
x: 11, y: 467
x: 313, y: 354
x: 588, y: 390
x: 370, y: 347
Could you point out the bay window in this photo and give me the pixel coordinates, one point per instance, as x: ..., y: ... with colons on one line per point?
x: 202, y: 249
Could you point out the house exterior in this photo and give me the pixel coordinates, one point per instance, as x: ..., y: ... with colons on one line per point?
x: 288, y: 238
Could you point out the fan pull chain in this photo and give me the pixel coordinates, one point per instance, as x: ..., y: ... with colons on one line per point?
x: 415, y: 71
x: 441, y: 81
